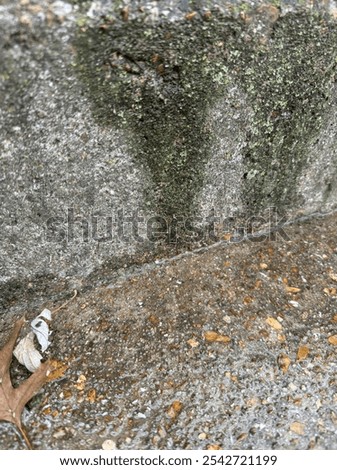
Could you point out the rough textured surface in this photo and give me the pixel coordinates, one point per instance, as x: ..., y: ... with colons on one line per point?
x: 145, y: 371
x: 203, y: 121
x: 162, y: 79
x: 183, y: 110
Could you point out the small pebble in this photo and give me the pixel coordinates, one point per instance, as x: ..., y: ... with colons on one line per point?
x: 61, y: 8
x: 109, y: 444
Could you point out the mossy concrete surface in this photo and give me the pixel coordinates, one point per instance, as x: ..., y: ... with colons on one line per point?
x: 133, y: 129
x: 161, y: 79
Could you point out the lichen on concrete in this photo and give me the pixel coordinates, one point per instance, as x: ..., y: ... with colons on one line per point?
x: 288, y: 82
x: 160, y: 79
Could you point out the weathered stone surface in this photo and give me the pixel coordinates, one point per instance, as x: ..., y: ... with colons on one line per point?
x: 187, y: 111
x: 196, y: 351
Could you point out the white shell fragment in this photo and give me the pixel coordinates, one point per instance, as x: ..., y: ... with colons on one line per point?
x: 45, y: 314
x: 27, y: 354
x: 41, y: 328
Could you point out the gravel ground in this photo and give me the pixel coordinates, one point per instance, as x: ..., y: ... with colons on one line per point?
x: 233, y: 347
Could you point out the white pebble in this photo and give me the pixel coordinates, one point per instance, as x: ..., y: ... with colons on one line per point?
x: 109, y: 444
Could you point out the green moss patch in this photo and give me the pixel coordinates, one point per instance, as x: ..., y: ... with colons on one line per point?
x: 288, y: 83
x: 160, y: 80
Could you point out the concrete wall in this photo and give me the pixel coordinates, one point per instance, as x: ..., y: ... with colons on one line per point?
x: 183, y: 115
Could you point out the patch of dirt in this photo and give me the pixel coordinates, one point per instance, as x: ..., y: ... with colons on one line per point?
x: 232, y: 347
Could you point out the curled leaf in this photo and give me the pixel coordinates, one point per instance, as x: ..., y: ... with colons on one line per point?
x: 13, y: 400
x: 41, y: 329
x: 27, y: 354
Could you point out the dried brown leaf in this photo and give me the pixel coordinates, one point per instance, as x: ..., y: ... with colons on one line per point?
x: 13, y: 400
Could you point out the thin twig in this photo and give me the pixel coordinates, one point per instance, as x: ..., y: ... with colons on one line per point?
x: 66, y: 303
